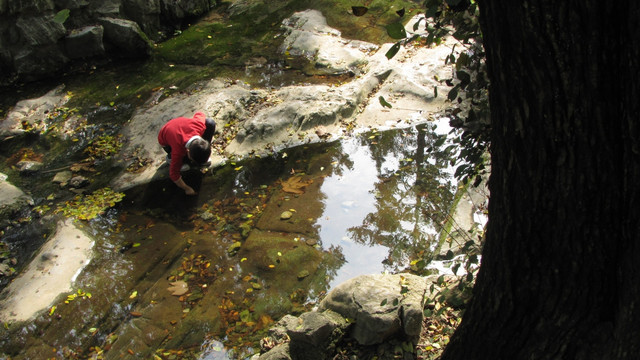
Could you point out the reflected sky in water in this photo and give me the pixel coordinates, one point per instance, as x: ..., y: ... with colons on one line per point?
x: 349, y: 198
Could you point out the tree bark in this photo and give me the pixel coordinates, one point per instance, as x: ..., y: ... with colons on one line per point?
x: 560, y: 274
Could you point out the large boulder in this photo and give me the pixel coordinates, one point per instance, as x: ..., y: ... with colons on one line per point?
x: 39, y: 31
x: 127, y: 37
x: 369, y: 309
x: 309, y: 37
x: 382, y: 306
x: 85, y: 42
x: 39, y: 53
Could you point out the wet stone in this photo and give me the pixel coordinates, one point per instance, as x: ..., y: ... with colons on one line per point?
x: 28, y: 167
x: 78, y: 182
x: 234, y: 248
x: 62, y: 177
x: 286, y: 215
x: 206, y: 215
x: 303, y: 274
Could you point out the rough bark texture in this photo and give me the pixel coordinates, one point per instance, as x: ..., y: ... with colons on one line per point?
x: 560, y: 270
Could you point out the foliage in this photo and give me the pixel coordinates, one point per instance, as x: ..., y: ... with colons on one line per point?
x: 469, y: 83
x: 62, y: 16
x: 87, y: 207
x: 104, y: 146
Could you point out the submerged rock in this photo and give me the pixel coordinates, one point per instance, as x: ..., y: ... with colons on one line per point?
x: 50, y: 274
x: 62, y: 177
x: 26, y: 167
x: 286, y: 215
x: 78, y: 182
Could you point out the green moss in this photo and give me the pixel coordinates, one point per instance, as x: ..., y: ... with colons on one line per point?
x: 222, y: 42
x: 369, y: 27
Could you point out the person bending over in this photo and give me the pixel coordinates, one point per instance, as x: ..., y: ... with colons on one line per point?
x: 186, y: 139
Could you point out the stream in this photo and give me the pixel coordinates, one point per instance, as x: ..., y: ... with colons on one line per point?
x: 372, y: 204
x: 204, y: 277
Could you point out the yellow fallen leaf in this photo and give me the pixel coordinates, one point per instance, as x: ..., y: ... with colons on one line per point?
x: 178, y: 288
x: 295, y: 185
x: 133, y: 295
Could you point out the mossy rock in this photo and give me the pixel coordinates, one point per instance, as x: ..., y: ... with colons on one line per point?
x: 278, y: 256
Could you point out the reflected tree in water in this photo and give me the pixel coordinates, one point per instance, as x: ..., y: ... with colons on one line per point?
x: 414, y: 194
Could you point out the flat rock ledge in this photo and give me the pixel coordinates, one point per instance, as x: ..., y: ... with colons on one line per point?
x: 369, y: 309
x: 51, y: 273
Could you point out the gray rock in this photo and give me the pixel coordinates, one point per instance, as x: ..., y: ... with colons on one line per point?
x: 12, y: 200
x: 309, y: 37
x: 32, y: 63
x: 180, y: 9
x: 107, y: 8
x: 85, y: 42
x: 62, y: 177
x: 26, y: 167
x: 39, y: 31
x: 126, y: 36
x: 280, y: 352
x: 381, y: 305
x: 29, y: 7
x: 31, y: 111
x: 316, y: 329
x: 78, y: 182
x: 311, y: 336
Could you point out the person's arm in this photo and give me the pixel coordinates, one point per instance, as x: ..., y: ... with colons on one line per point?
x: 182, y: 185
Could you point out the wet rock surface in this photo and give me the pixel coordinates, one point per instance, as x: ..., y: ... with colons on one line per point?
x: 52, y: 272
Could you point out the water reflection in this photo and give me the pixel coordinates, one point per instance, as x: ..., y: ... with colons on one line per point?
x: 388, y: 204
x: 349, y: 198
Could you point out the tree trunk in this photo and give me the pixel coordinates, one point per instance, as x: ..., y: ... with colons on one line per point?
x: 560, y: 274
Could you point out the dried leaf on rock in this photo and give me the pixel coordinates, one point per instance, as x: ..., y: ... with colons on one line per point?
x: 295, y: 185
x: 178, y: 288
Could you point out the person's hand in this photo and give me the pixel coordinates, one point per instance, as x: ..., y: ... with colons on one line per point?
x: 187, y: 189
